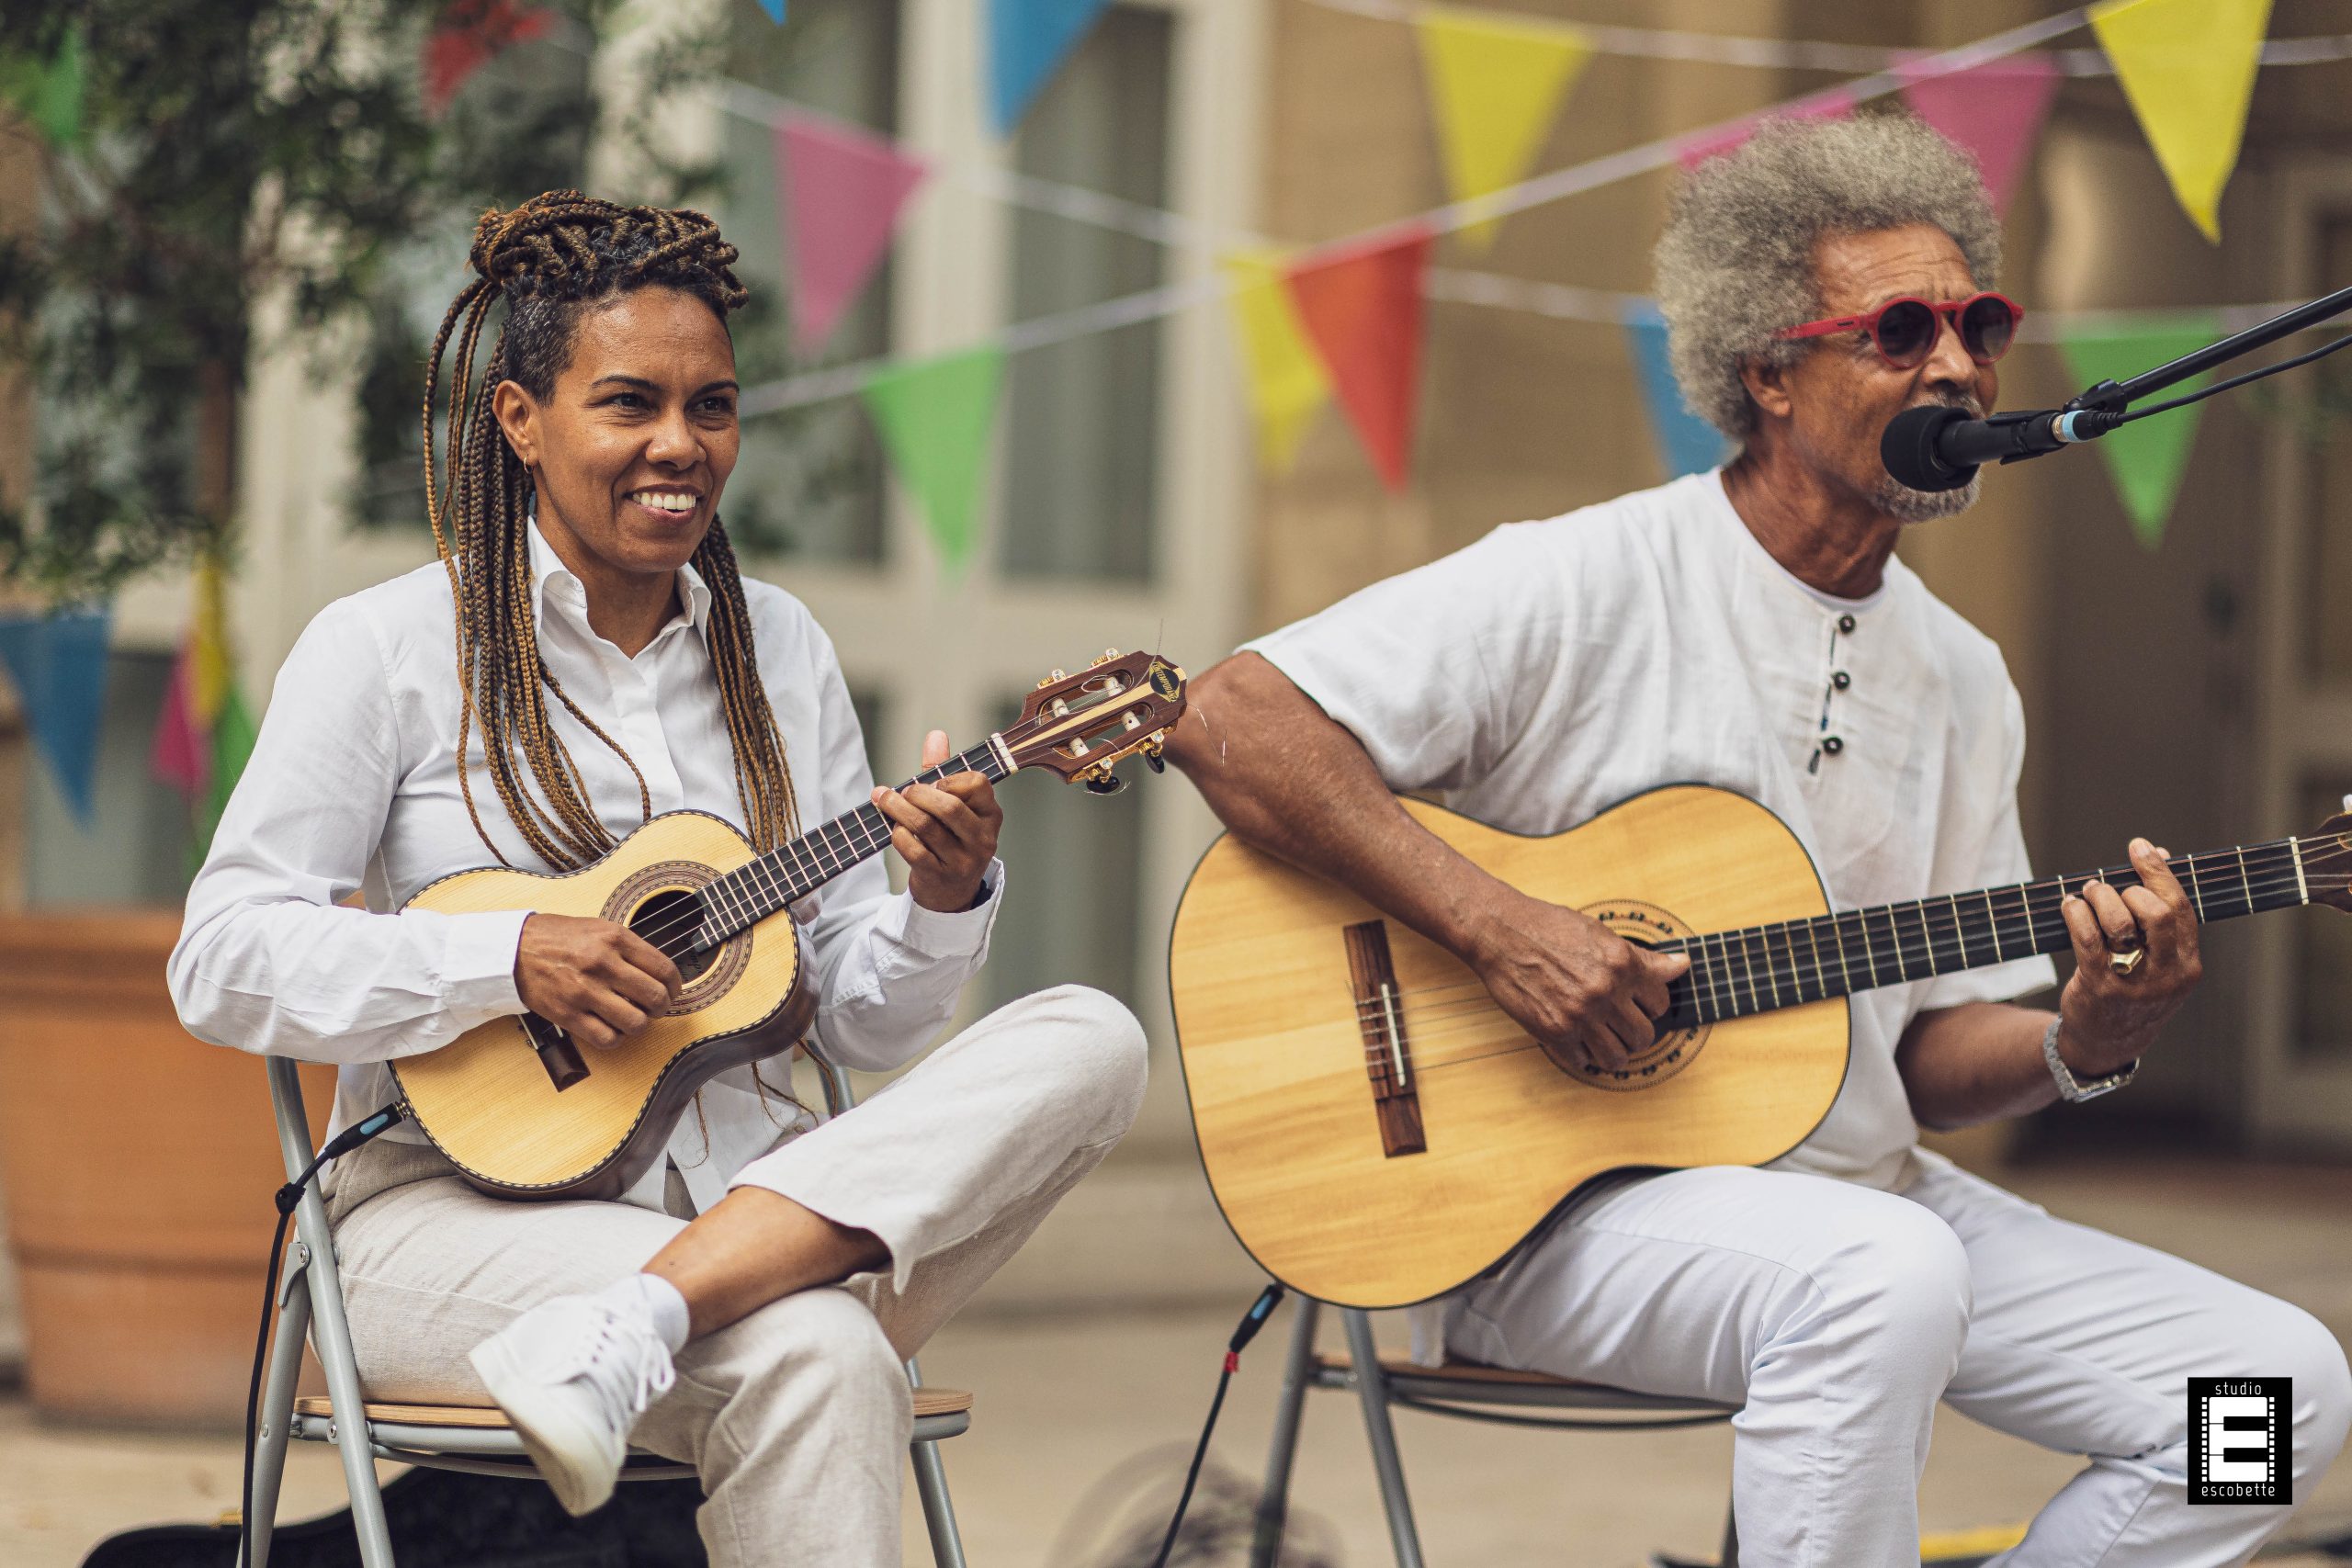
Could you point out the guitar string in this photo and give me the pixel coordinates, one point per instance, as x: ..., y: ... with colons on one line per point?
x: 856, y: 852
x: 1942, y: 942
x: 1467, y: 1032
x: 1474, y: 1013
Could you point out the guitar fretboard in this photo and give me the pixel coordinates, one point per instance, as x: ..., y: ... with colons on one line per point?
x: 1734, y: 973
x: 753, y: 891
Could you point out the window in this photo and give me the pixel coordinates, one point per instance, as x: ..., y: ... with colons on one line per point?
x: 808, y: 483
x: 1082, y: 426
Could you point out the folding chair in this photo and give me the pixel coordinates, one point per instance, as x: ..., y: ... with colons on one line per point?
x: 474, y: 1439
x: 1460, y: 1389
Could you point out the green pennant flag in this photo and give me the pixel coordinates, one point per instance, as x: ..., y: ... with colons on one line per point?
x: 234, y: 734
x: 2146, y: 457
x: 935, y: 416
x: 48, y: 92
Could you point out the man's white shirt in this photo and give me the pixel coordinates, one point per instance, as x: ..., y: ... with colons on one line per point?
x: 1555, y: 669
x: 354, y: 786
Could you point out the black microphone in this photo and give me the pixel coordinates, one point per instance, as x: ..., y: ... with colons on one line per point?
x: 1937, y: 447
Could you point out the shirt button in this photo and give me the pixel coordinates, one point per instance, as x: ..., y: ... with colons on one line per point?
x: 1841, y: 680
x: 1833, y: 745
x: 1845, y: 623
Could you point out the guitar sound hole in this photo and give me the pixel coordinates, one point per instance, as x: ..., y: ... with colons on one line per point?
x: 666, y: 919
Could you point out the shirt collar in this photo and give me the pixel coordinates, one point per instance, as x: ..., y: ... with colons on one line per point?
x: 550, y: 574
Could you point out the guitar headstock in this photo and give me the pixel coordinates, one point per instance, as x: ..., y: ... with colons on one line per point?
x: 2327, y: 860
x: 1081, y: 726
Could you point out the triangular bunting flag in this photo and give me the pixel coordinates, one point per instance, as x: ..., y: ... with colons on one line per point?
x: 2188, y: 67
x: 1495, y: 83
x: 1993, y: 112
x: 1362, y: 307
x: 234, y: 734
x: 2146, y: 457
x: 1835, y: 104
x: 58, y: 662
x: 935, y: 416
x: 48, y: 92
x: 774, y: 8
x: 1287, y: 380
x: 468, y: 34
x: 182, y: 754
x: 843, y: 190
x: 1686, y: 443
x: 1028, y: 40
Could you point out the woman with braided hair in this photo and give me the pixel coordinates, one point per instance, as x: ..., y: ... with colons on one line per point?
x: 587, y: 645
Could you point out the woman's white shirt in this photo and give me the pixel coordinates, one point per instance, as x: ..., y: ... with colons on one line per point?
x: 354, y: 786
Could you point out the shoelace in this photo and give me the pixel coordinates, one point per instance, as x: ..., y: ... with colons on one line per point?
x: 653, y: 1373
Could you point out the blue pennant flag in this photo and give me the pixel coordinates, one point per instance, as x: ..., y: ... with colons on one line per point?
x: 59, y: 663
x: 1686, y: 443
x: 1028, y: 41
x: 774, y: 8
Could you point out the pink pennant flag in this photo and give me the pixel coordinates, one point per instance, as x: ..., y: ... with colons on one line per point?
x: 1993, y: 111
x: 182, y: 756
x: 845, y: 189
x: 1835, y: 104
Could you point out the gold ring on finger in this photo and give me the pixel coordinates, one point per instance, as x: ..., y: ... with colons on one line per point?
x: 2124, y: 962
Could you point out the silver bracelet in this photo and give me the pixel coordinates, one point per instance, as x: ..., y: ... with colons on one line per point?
x: 2072, y: 1090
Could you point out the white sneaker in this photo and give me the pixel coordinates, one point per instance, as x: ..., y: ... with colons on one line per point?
x: 574, y: 1375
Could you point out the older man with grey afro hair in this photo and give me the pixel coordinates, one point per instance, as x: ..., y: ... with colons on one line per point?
x: 1752, y: 629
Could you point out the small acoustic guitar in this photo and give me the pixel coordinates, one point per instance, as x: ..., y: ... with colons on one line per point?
x: 1377, y: 1131
x: 524, y: 1112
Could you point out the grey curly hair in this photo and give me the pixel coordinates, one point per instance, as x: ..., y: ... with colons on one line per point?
x: 1735, y: 263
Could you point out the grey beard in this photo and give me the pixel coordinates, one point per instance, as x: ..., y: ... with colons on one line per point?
x: 1902, y: 503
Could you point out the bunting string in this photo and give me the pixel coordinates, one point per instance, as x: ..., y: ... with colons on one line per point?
x: 1778, y: 54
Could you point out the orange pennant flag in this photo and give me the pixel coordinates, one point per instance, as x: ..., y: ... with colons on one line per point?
x: 1361, y: 306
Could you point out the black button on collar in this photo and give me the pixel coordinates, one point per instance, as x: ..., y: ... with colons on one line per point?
x: 1841, y: 680
x: 1833, y: 745
x: 1845, y: 623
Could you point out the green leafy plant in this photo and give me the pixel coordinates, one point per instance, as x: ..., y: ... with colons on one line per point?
x: 205, y: 169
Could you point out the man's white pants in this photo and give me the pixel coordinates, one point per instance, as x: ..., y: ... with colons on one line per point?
x: 798, y: 1416
x: 1837, y: 1316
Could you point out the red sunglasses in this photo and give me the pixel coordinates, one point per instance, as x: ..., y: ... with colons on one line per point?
x: 1905, y: 329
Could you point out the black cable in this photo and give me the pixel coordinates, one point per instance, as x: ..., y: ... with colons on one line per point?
x: 1246, y: 1330
x: 2322, y: 352
x: 288, y: 1198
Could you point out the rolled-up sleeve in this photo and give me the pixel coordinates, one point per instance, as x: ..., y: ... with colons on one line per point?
x: 888, y: 971
x: 268, y: 960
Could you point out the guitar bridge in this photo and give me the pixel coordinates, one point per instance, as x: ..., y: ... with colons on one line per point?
x: 558, y: 1055
x: 1388, y: 1055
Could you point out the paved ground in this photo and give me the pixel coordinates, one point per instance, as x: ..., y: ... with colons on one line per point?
x: 1081, y: 1415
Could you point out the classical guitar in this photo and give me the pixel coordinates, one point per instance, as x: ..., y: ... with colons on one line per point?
x: 1377, y: 1131
x: 525, y: 1113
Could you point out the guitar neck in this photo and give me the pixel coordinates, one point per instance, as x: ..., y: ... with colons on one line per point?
x: 758, y: 888
x: 1737, y: 972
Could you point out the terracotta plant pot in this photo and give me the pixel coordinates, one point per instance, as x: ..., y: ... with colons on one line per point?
x: 137, y: 1165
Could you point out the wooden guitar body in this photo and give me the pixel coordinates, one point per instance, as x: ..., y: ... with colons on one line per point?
x: 489, y: 1101
x: 1307, y: 1111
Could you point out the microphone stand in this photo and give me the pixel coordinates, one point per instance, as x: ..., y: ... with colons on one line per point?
x: 2114, y: 397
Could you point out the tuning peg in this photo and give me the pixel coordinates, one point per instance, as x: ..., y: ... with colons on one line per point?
x: 1108, y: 655
x: 1105, y: 782
x: 1155, y: 762
x: 1056, y: 675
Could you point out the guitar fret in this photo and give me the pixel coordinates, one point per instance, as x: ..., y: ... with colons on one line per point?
x: 1959, y: 931
x: 2242, y: 883
x: 1726, y: 1000
x: 2302, y: 888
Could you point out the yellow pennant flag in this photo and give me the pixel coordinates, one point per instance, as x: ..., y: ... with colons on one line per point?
x: 208, y: 673
x: 2187, y: 66
x: 1287, y: 382
x: 1495, y: 83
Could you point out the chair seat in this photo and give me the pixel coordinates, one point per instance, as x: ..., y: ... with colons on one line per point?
x: 1475, y: 1382
x: 488, y: 1418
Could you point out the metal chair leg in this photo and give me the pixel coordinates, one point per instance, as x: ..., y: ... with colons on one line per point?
x: 1372, y: 1391
x: 332, y: 1334
x: 930, y: 1485
x: 276, y: 1413
x: 1274, y: 1502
